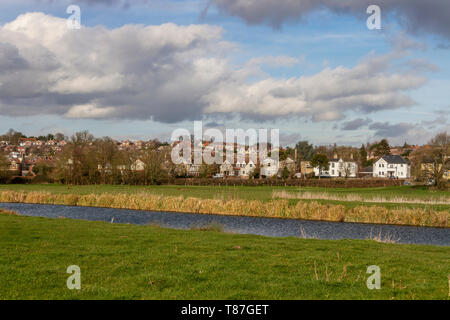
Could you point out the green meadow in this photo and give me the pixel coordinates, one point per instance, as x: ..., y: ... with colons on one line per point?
x: 149, y: 262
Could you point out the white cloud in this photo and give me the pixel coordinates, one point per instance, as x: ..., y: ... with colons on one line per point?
x: 171, y: 73
x: 89, y: 111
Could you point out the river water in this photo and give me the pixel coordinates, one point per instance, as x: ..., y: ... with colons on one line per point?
x: 242, y: 225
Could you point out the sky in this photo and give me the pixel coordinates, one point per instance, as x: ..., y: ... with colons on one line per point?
x: 310, y: 68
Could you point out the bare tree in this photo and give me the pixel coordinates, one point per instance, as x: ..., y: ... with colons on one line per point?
x: 440, y: 157
x: 4, y: 172
x: 153, y: 167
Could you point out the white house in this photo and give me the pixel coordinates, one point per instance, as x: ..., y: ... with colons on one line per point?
x: 226, y: 168
x: 246, y: 169
x: 138, y: 165
x: 392, y: 166
x: 339, y: 168
x: 269, y: 168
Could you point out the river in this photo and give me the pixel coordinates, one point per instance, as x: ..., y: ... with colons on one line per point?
x: 242, y: 225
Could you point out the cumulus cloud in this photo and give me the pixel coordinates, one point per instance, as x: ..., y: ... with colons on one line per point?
x: 171, y: 73
x: 414, y: 15
x: 325, y: 96
x: 142, y: 72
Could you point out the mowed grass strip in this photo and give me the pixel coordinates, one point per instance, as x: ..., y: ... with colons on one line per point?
x: 233, y: 192
x: 148, y: 262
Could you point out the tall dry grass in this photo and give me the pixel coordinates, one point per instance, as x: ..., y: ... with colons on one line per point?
x: 8, y: 212
x: 353, y: 197
x: 255, y: 208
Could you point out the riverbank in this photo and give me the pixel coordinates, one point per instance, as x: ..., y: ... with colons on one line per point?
x: 275, y: 208
x: 272, y: 227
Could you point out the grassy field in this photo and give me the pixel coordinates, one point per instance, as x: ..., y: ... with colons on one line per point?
x: 238, y: 192
x: 148, y: 262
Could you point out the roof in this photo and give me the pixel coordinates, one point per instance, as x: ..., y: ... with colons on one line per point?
x: 367, y: 170
x: 394, y: 159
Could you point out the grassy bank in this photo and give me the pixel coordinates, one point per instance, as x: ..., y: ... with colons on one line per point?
x: 309, y: 210
x: 147, y: 262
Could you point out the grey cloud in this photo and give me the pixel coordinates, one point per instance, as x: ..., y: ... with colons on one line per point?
x: 421, y: 65
x: 415, y: 15
x: 398, y: 133
x: 10, y: 59
x: 355, y: 124
x: 386, y: 129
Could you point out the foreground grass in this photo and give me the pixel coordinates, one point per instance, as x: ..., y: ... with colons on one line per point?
x: 147, y: 262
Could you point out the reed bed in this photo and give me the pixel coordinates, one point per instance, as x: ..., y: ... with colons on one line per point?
x: 274, y: 208
x: 8, y: 212
x: 353, y: 197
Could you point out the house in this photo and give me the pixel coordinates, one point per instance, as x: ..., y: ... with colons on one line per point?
x: 269, y: 168
x: 342, y: 168
x: 288, y: 163
x: 306, y: 168
x: 27, y: 142
x: 194, y: 170
x: 226, y: 169
x: 246, y: 169
x: 392, y: 166
x: 14, y: 155
x: 138, y: 165
x: 339, y: 168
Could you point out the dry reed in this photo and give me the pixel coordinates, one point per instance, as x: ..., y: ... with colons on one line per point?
x: 274, y: 208
x: 353, y: 197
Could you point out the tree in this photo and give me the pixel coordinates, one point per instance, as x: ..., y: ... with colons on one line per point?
x: 363, y: 156
x: 381, y: 148
x: 440, y: 157
x: 285, y: 173
x: 320, y: 161
x: 153, y: 169
x: 4, y: 172
x: 305, y: 151
x: 106, y: 154
x: 59, y: 137
x: 77, y: 164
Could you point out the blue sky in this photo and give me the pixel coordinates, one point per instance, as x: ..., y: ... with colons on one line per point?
x: 324, y: 40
